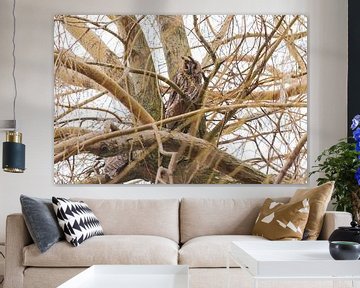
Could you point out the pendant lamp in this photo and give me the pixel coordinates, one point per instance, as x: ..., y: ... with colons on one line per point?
x: 13, y: 159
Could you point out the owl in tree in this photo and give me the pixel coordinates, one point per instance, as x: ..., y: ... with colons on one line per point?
x: 189, y: 80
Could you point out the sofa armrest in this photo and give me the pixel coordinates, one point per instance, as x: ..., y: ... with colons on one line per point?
x: 17, y: 237
x: 333, y: 220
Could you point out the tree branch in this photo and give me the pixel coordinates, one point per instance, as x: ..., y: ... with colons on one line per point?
x: 291, y: 159
x: 145, y: 73
x: 203, y: 40
x: 102, y: 79
x: 216, y: 159
x: 79, y: 105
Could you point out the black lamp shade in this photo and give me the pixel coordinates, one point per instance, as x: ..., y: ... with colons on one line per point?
x: 13, y: 157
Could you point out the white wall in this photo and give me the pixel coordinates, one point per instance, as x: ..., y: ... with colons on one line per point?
x: 328, y: 66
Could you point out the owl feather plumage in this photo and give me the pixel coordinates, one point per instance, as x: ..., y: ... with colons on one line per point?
x: 189, y: 80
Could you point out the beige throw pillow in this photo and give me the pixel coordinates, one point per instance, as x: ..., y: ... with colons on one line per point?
x: 319, y: 198
x: 279, y: 221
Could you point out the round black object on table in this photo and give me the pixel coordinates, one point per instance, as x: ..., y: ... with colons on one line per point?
x: 344, y: 250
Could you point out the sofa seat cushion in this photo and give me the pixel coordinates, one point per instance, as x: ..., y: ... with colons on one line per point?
x: 211, y: 251
x: 107, y: 249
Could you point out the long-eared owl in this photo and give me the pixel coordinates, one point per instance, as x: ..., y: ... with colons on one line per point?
x: 189, y: 80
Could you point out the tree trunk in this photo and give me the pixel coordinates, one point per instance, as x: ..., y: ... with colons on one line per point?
x: 174, y: 40
x: 138, y: 56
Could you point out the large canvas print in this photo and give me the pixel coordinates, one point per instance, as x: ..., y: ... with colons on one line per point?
x: 180, y: 99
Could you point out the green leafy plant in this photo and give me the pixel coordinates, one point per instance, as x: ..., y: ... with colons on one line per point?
x: 339, y: 163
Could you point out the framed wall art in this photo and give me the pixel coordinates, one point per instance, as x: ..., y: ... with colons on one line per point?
x: 180, y: 99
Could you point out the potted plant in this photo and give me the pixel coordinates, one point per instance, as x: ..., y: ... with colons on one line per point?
x: 341, y: 163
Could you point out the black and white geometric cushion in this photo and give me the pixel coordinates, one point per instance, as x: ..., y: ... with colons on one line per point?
x: 77, y: 220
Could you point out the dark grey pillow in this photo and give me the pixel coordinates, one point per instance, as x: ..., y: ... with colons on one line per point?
x: 41, y: 221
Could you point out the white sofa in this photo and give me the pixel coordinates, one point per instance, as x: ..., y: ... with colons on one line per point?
x: 194, y: 232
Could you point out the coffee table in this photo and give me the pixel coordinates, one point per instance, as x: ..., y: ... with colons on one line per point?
x: 131, y: 276
x: 293, y: 260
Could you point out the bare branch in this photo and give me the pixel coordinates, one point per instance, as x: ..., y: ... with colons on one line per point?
x: 291, y: 159
x: 102, y: 79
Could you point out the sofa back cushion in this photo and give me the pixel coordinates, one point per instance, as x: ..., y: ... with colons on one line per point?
x: 158, y: 217
x: 201, y: 217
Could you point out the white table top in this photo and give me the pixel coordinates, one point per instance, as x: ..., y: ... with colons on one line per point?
x: 291, y: 259
x: 131, y: 276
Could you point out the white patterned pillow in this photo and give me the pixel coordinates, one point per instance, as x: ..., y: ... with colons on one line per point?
x: 77, y: 220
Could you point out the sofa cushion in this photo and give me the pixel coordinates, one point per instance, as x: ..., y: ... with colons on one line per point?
x: 107, y: 249
x: 319, y: 198
x: 76, y: 220
x: 201, y: 217
x: 137, y: 217
x: 211, y: 251
x: 279, y: 221
x: 41, y: 221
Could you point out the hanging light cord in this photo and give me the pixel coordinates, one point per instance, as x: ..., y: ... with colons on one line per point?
x: 14, y: 59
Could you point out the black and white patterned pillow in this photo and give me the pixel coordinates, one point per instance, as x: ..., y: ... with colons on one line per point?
x: 77, y: 220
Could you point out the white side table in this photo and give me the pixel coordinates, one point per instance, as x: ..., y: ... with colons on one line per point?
x: 293, y: 261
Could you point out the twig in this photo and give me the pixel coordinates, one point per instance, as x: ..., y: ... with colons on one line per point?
x: 291, y: 159
x: 203, y: 40
x: 145, y: 73
x: 71, y: 109
x: 103, y: 27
